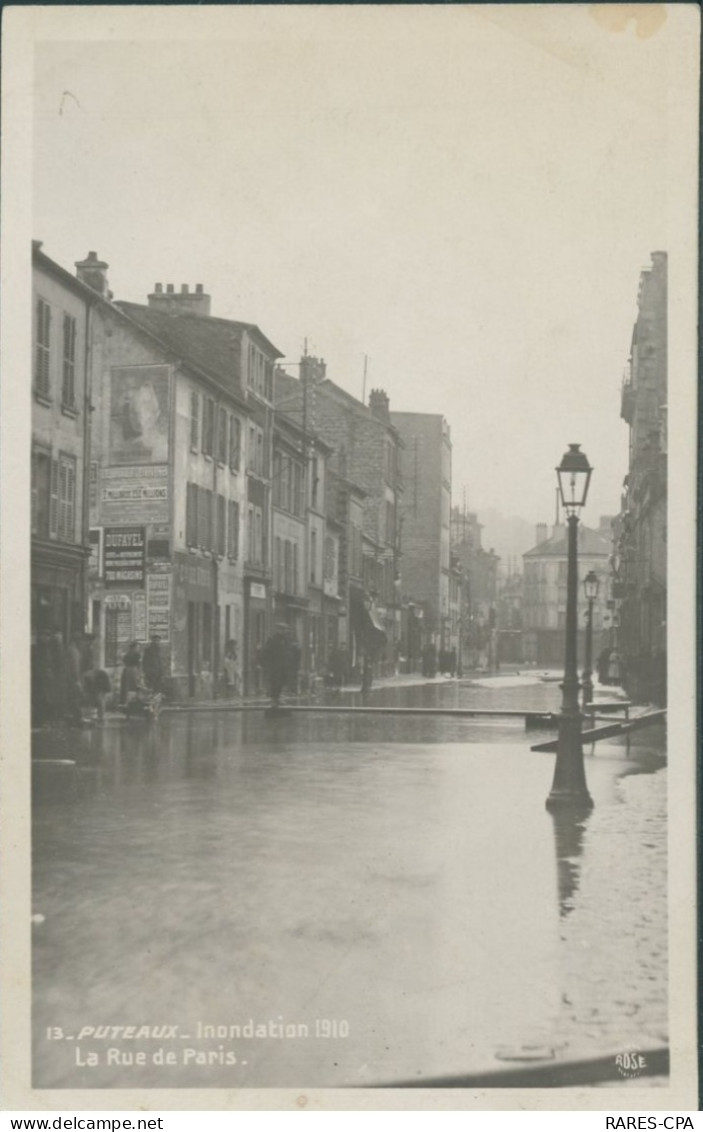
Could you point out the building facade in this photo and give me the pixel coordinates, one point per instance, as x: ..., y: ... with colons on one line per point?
x: 544, y: 593
x: 365, y: 450
x: 479, y: 573
x: 63, y: 310
x: 639, y: 560
x: 429, y: 583
x: 179, y: 486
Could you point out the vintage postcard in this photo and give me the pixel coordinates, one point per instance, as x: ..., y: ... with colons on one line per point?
x: 348, y: 556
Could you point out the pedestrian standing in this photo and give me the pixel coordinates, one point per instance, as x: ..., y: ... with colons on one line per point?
x: 131, y: 675
x: 98, y: 687
x: 74, y: 678
x: 43, y: 679
x: 293, y: 663
x: 152, y: 665
x: 275, y: 661
x: 230, y: 669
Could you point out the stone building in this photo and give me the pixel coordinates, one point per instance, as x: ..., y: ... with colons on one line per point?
x: 62, y: 311
x: 428, y: 582
x: 305, y: 544
x: 219, y: 469
x: 544, y: 592
x: 365, y: 451
x: 479, y: 572
x: 639, y: 561
x: 179, y: 483
x: 345, y: 512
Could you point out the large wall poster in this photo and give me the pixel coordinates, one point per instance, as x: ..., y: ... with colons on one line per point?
x: 139, y: 415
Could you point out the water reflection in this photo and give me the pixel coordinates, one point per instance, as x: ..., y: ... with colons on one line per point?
x: 569, y: 829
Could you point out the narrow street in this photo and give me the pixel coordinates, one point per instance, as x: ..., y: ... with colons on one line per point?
x: 320, y: 900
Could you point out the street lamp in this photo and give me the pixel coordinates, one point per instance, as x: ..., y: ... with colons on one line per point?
x: 569, y: 785
x: 590, y: 587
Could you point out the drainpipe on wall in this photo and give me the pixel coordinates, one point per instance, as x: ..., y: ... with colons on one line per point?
x: 215, y: 530
x: 87, y: 430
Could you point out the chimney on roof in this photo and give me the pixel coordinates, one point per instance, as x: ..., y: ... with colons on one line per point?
x: 93, y: 272
x: 184, y: 301
x: 312, y: 369
x: 378, y: 404
x: 541, y: 533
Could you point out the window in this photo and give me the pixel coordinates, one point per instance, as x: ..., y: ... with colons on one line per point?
x: 221, y: 520
x: 208, y: 425
x: 41, y: 372
x: 255, y: 536
x: 258, y: 534
x: 297, y: 490
x: 277, y: 565
x: 329, y: 567
x: 255, y: 462
x: 235, y: 443
x: 68, y: 388
x: 313, y: 557
x: 41, y: 492
x: 194, y: 420
x: 222, y: 437
x: 191, y: 514
x: 233, y: 529
x: 287, y: 566
x: 315, y: 480
x: 277, y: 484
x: 66, y: 526
x: 259, y: 452
x: 205, y: 518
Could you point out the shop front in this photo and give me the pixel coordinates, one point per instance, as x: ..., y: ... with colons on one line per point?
x: 256, y: 629
x: 195, y: 620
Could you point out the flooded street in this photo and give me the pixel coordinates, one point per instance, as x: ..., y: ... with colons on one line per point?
x: 320, y: 900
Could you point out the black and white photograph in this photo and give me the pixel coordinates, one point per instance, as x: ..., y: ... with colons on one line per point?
x: 348, y: 539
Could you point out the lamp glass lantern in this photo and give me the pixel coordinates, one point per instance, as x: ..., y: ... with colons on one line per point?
x: 591, y: 585
x: 574, y: 476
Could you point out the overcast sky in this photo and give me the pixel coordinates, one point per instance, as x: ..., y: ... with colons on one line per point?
x: 467, y: 196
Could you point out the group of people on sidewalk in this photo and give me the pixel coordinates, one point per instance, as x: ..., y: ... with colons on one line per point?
x: 65, y: 678
x: 142, y: 681
x: 67, y: 683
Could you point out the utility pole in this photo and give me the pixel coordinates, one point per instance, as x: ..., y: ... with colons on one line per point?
x: 363, y: 388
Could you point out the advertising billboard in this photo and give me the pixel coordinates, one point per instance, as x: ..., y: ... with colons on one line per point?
x: 139, y: 415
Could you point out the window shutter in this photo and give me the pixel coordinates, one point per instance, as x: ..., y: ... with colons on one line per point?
x: 43, y: 350
x: 194, y: 419
x: 62, y: 526
x: 54, y: 500
x: 70, y: 532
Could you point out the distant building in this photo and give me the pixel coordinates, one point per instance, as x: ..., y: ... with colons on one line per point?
x: 345, y: 513
x: 509, y: 618
x: 479, y: 570
x: 544, y: 593
x: 428, y: 581
x: 365, y: 451
x: 305, y: 552
x: 640, y: 553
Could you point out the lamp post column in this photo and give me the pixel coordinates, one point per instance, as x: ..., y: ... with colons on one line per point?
x: 569, y: 785
x: 588, y: 669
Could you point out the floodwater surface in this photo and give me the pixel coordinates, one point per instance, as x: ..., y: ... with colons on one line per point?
x: 235, y: 900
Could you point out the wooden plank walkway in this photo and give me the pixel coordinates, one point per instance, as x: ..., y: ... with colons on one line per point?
x: 609, y: 731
